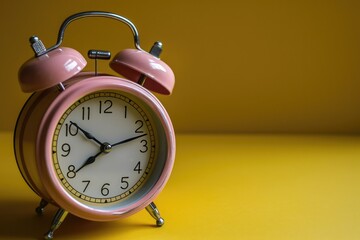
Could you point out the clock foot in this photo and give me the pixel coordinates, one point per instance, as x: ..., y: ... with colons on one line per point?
x: 40, y: 209
x: 58, y: 219
x: 154, y: 212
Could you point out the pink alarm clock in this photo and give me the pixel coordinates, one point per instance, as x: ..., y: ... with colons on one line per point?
x: 98, y: 146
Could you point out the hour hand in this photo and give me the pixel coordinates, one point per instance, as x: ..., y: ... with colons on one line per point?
x: 87, y: 134
x: 90, y: 160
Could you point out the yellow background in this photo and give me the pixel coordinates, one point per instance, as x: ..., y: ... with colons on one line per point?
x: 240, y: 66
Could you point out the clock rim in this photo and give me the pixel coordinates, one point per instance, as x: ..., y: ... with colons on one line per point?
x: 44, y: 141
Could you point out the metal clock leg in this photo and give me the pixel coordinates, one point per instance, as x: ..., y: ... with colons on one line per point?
x: 154, y: 212
x: 57, y: 220
x: 40, y: 209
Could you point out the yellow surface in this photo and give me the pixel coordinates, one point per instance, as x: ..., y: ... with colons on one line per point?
x: 240, y: 66
x: 222, y: 187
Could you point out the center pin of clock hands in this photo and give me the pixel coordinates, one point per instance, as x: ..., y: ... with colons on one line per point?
x: 104, y: 147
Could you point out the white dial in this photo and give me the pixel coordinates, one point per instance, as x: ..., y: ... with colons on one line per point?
x: 104, y: 147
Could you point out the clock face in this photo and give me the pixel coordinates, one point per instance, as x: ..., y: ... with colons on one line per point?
x: 105, y: 147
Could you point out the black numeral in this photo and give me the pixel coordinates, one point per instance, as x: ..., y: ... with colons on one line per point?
x: 66, y: 149
x: 85, y: 113
x: 125, y: 111
x: 71, y: 172
x: 107, y: 105
x: 145, y: 147
x: 124, y: 183
x: 140, y: 124
x: 137, y: 168
x: 71, y: 130
x: 104, y: 190
x: 87, y: 182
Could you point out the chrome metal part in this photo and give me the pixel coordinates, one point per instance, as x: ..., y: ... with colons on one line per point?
x: 141, y: 80
x: 40, y: 209
x: 58, y: 219
x: 99, y: 54
x: 156, y: 49
x: 61, y: 87
x: 37, y: 46
x: 76, y: 16
x: 106, y: 147
x: 154, y: 212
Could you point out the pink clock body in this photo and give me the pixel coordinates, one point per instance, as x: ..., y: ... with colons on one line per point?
x: 33, y: 143
x: 98, y: 146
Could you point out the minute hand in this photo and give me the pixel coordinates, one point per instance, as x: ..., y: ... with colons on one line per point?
x: 128, y: 140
